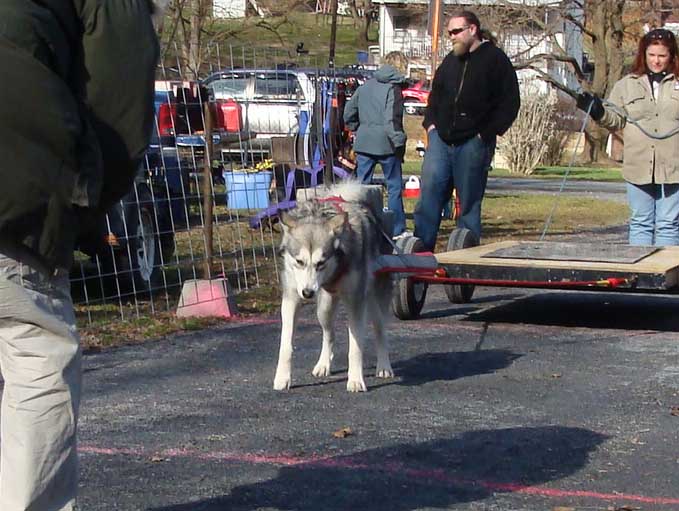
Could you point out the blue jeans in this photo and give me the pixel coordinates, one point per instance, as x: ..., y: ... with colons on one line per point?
x: 393, y: 176
x: 463, y: 167
x: 654, y: 214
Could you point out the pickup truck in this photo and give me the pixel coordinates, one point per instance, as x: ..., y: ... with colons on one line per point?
x: 251, y: 106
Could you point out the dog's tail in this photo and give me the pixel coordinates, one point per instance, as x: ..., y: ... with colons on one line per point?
x: 370, y: 196
x: 353, y: 191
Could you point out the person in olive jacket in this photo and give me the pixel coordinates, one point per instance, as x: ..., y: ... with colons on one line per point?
x: 649, y: 96
x: 375, y: 114
x: 474, y: 98
x: 76, y: 112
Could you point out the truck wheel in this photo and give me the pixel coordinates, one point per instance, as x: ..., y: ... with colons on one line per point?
x: 408, y: 298
x: 139, y: 263
x: 459, y: 239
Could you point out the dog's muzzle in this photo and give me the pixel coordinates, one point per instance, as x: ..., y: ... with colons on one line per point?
x: 308, y: 293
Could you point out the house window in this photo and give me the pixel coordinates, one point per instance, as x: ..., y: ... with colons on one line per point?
x: 401, y: 22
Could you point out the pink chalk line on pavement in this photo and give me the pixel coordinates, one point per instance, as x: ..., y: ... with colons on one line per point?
x: 391, y: 467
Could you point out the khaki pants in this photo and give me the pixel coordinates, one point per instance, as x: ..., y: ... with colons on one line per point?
x: 40, y: 363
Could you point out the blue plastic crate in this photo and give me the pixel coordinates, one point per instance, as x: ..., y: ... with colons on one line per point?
x: 247, y: 190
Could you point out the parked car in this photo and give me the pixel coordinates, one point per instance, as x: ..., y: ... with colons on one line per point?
x: 137, y: 234
x: 416, y: 97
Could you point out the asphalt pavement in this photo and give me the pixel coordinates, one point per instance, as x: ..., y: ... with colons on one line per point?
x: 520, y: 400
x: 594, y: 189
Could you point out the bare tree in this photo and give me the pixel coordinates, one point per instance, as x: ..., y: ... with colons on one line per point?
x: 192, y: 30
x: 185, y: 28
x: 610, y: 29
x: 363, y: 12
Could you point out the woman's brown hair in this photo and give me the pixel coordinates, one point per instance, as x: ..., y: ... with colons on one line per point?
x: 657, y: 36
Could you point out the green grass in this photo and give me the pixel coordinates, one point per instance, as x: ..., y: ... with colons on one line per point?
x: 576, y: 173
x: 522, y: 216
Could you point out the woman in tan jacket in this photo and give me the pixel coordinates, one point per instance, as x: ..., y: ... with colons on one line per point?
x: 645, y: 104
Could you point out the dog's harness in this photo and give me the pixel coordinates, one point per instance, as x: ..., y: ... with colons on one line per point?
x: 342, y: 269
x: 334, y: 200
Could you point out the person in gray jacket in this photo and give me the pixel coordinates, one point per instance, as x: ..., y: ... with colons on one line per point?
x: 75, y: 119
x: 375, y: 114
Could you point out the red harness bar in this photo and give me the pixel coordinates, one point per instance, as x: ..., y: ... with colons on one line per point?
x: 612, y: 282
x: 440, y: 276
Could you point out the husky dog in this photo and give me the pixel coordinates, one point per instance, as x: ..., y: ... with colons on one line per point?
x: 330, y: 248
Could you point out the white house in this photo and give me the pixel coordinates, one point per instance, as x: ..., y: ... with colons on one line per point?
x: 403, y: 27
x: 229, y: 8
x: 236, y: 8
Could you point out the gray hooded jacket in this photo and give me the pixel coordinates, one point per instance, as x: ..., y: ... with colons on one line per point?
x: 375, y: 113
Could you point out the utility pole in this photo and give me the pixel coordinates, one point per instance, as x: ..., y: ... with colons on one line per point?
x: 333, y: 34
x: 328, y: 175
x: 435, y: 23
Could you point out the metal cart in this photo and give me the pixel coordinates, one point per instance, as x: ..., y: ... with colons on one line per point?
x: 528, y: 264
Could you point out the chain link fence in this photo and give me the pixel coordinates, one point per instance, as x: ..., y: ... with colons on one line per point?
x: 229, y: 150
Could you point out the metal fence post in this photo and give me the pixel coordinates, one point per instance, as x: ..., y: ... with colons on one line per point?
x: 207, y: 191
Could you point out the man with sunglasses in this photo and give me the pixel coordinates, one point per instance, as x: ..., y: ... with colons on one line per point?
x: 474, y: 98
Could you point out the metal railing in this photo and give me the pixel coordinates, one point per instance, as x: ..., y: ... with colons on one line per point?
x: 228, y: 154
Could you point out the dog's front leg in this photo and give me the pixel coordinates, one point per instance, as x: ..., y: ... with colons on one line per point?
x: 289, y: 307
x: 357, y: 329
x: 327, y: 305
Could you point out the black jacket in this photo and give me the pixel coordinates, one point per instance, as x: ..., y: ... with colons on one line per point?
x: 477, y: 93
x: 76, y: 112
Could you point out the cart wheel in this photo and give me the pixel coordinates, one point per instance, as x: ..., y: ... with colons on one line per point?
x: 458, y: 239
x: 409, y: 296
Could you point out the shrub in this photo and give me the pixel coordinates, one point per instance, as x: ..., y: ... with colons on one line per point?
x: 526, y: 143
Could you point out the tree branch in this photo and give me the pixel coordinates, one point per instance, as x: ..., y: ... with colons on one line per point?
x: 528, y: 63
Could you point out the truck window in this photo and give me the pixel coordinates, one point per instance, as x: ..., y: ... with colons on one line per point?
x: 277, y: 87
x: 229, y: 88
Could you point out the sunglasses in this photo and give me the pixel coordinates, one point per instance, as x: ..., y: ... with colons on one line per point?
x: 660, y: 33
x: 456, y: 31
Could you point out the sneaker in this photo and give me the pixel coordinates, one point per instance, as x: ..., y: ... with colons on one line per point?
x: 403, y: 235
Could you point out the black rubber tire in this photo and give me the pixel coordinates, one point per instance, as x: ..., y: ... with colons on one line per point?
x: 459, y: 239
x: 408, y: 298
x: 139, y: 263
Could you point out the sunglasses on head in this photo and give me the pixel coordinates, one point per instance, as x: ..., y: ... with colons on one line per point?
x: 456, y: 31
x: 659, y: 33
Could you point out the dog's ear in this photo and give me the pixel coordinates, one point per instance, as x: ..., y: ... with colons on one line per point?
x: 338, y: 223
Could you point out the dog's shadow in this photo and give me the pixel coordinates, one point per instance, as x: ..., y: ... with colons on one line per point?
x: 436, y: 474
x: 430, y: 367
x: 448, y: 366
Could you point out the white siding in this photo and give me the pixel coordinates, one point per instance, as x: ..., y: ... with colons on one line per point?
x: 229, y: 8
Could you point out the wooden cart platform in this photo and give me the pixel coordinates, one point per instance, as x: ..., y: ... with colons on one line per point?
x: 643, y: 268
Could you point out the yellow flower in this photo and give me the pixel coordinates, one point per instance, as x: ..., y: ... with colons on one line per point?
x: 264, y: 165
